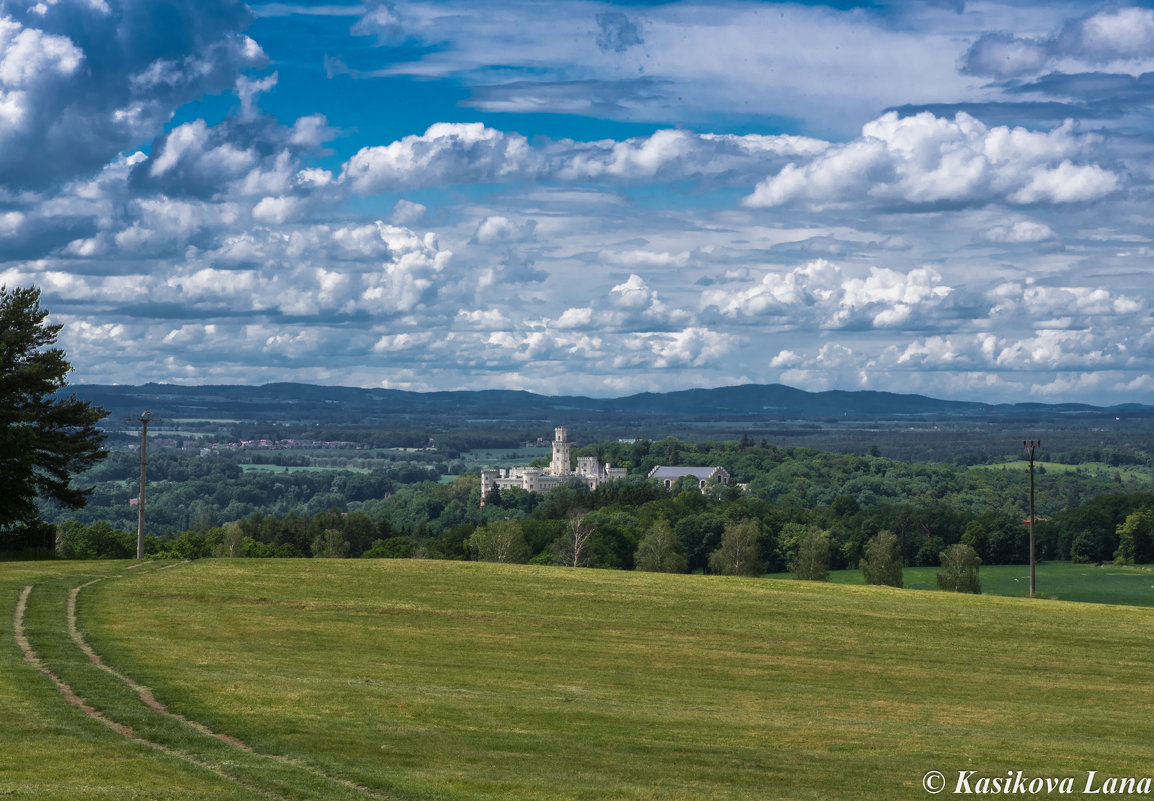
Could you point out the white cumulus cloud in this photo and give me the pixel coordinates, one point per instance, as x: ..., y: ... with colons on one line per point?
x: 1020, y: 232
x: 820, y: 294
x: 450, y: 153
x: 1114, y: 38
x: 82, y: 83
x: 446, y: 153
x: 925, y: 160
x: 496, y: 230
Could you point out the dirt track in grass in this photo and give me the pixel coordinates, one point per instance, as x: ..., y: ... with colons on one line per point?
x: 148, y: 698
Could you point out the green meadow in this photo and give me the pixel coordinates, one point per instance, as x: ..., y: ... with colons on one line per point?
x: 1090, y: 468
x: 275, y: 468
x: 410, y: 679
x: 1129, y: 585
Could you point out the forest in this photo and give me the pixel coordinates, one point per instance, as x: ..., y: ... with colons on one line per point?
x: 1094, y: 504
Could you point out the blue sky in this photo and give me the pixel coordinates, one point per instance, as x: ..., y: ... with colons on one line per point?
x: 599, y: 198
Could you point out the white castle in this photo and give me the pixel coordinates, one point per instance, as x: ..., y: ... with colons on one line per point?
x: 590, y: 469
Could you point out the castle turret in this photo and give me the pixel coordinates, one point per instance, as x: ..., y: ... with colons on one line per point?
x: 560, y: 464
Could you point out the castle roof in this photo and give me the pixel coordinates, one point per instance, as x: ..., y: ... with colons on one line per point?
x: 700, y: 473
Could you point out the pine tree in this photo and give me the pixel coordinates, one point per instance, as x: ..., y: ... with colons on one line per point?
x: 44, y: 439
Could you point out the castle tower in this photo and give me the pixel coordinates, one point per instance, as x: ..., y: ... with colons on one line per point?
x: 560, y: 464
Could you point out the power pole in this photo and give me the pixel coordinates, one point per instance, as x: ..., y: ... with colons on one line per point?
x: 144, y: 421
x: 1030, y: 447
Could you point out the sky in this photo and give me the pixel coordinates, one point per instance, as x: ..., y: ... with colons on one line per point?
x: 597, y: 198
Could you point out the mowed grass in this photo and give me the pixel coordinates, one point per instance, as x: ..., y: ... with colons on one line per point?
x: 49, y: 749
x: 449, y: 680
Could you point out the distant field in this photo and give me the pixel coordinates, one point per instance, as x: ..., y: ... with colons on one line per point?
x: 1091, y: 468
x: 276, y: 468
x: 1107, y: 584
x: 414, y: 679
x: 503, y: 457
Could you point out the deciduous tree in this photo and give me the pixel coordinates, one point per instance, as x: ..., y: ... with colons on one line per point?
x: 501, y: 541
x: 229, y: 541
x: 657, y: 551
x: 812, y: 560
x: 330, y: 544
x: 572, y: 548
x: 975, y: 536
x: 788, y: 541
x: 739, y: 554
x: 882, y: 563
x: 1136, y: 537
x: 959, y: 571
x: 44, y: 439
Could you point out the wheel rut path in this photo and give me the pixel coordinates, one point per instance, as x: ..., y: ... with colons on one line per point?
x: 153, y: 724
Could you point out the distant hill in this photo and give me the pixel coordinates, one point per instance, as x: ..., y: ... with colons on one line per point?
x: 310, y: 404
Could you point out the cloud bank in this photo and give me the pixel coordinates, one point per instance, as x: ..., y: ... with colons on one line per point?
x: 572, y: 203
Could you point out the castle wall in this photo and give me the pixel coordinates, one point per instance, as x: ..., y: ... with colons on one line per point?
x: 533, y: 479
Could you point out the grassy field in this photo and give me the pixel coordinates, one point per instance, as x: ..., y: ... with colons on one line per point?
x: 275, y: 468
x: 1091, y: 468
x: 410, y: 679
x: 49, y: 748
x: 488, y: 458
x: 1105, y: 584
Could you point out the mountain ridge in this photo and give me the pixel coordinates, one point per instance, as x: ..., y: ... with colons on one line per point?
x: 745, y: 399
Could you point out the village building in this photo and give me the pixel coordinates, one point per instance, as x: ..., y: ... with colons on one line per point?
x: 670, y: 475
x: 590, y: 469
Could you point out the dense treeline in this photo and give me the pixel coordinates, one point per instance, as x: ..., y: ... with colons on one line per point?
x: 789, y: 493
x: 186, y: 491
x: 1113, y: 456
x: 808, y: 479
x: 190, y: 491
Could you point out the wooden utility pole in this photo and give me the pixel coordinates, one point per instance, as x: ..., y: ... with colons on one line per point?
x: 144, y: 420
x: 1030, y: 447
